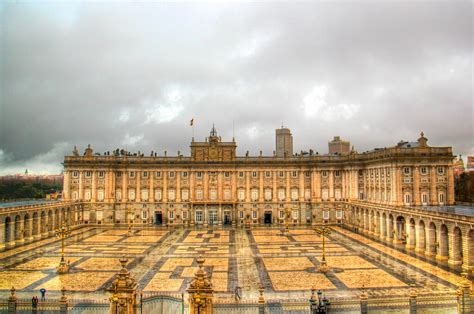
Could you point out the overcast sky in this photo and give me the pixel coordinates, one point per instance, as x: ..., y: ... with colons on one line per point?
x: 133, y: 75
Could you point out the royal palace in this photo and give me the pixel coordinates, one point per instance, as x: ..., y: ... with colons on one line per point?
x: 215, y: 186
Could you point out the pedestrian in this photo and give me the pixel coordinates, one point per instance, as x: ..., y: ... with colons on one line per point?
x: 43, y: 294
x: 34, y: 302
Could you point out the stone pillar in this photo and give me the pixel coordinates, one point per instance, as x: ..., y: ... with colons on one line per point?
x: 450, y: 187
x: 287, y: 186
x: 124, y: 292
x: 301, y: 187
x: 67, y: 185
x: 416, y: 186
x: 151, y: 188
x: 234, y: 189
x: 247, y: 186
x: 412, y: 301
x: 220, y: 191
x: 364, y: 302
x: 12, y: 301
x: 261, y: 300
x: 200, y: 291
x: 192, y: 187
x: 331, y: 185
x: 81, y: 185
x: 178, y: 187
x: 94, y: 186
x: 164, y: 193
x: 206, y: 186
x: 317, y: 185
x: 433, y: 183
x: 63, y: 302
x: 275, y: 189
x: 2, y: 234
x: 398, y: 186
x: 124, y: 186
x: 464, y: 296
x: 260, y: 185
x: 138, y: 186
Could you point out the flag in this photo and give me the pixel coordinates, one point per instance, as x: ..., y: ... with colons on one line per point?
x: 191, y: 123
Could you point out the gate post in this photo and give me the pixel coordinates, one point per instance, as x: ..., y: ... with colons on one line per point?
x: 124, y: 292
x: 464, y: 295
x: 261, y: 300
x: 63, y: 302
x: 413, y: 296
x: 12, y: 301
x: 364, y: 303
x: 200, y: 291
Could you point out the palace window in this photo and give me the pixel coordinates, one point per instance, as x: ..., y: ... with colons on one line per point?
x: 131, y: 174
x: 407, y: 199
x: 324, y: 173
x: 199, y: 174
x: 268, y: 194
x: 241, y: 174
x: 144, y: 195
x: 326, y: 215
x: 307, y: 194
x: 241, y: 195
x: 100, y: 174
x: 158, y: 174
x: 171, y: 195
x: 294, y: 174
x: 294, y: 194
x: 441, y: 198
x: 281, y: 174
x: 281, y: 194
x: 406, y: 170
x: 131, y: 194
x: 424, y: 198
x: 281, y: 214
x: 158, y: 195
x: 339, y: 214
x: 226, y: 174
x: 145, y: 174
x: 268, y: 174
x: 337, y: 173
x: 75, y: 174
x: 254, y: 214
x: 88, y: 174
x: 184, y: 195
x: 118, y: 194
x: 199, y: 194
x: 213, y: 194
x: 184, y: 174
x: 241, y: 214
x: 100, y: 195
x: 307, y: 174
x: 361, y: 173
x: 144, y: 214
x: 254, y: 194
x: 295, y: 214
x: 227, y: 194
x: 171, y: 214
x: 184, y: 214
x: 424, y: 170
x: 254, y: 174
x: 440, y: 170
x: 171, y: 174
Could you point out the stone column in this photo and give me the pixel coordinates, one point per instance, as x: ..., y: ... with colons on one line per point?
x: 301, y: 186
x: 416, y: 186
x: 192, y: 187
x: 364, y: 303
x: 12, y: 301
x: 81, y: 185
x: 275, y: 188
x: 287, y: 191
x: 398, y: 186
x: 220, y: 191
x: 138, y: 186
x: 413, y: 296
x: 450, y: 187
x: 67, y: 185
x: 94, y: 186
x: 317, y: 185
x: 234, y: 188
x: 261, y: 190
x: 206, y: 186
x: 164, y: 193
x: 151, y: 188
x: 200, y: 291
x: 2, y: 234
x: 331, y: 185
x: 63, y: 302
x: 178, y: 186
x: 464, y: 296
x: 247, y: 186
x: 124, y: 186
x: 433, y: 183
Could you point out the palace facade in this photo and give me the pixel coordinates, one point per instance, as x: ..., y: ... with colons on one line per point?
x: 215, y: 186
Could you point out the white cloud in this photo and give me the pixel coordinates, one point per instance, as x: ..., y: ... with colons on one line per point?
x: 132, y: 140
x: 252, y: 132
x: 124, y: 115
x: 316, y: 105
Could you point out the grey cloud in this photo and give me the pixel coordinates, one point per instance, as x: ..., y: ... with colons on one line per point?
x: 69, y: 71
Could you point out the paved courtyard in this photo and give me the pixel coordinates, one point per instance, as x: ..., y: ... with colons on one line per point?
x: 165, y: 261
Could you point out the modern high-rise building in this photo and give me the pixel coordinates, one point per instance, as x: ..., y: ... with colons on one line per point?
x: 284, y: 142
x: 339, y: 147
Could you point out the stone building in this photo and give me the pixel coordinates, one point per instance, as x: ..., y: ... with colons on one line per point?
x: 284, y: 142
x: 338, y: 146
x: 215, y: 186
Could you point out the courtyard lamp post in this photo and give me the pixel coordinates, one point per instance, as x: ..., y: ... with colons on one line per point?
x: 62, y: 232
x: 324, y: 231
x: 319, y: 305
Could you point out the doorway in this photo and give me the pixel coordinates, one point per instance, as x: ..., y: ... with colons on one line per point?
x: 267, y: 218
x: 158, y: 218
x: 227, y: 220
x: 212, y: 218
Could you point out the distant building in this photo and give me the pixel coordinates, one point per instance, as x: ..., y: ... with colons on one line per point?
x: 339, y: 147
x: 470, y: 164
x: 458, y: 166
x: 284, y: 142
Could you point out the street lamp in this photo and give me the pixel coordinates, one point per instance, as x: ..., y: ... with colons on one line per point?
x: 62, y: 232
x: 323, y: 232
